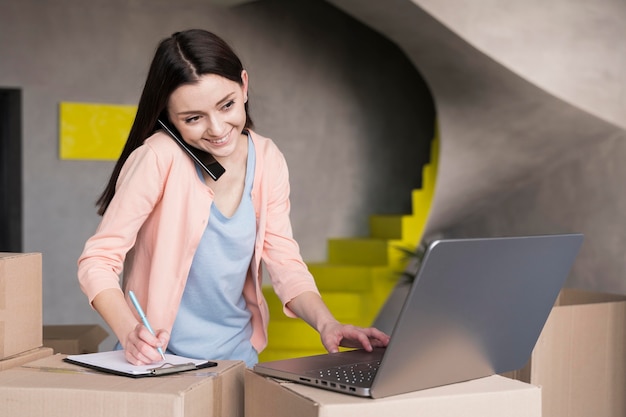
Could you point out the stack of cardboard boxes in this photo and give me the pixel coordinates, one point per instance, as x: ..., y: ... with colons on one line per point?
x: 22, y: 336
x: 579, y: 360
x: 36, y: 382
x: 578, y: 368
x: 21, y: 339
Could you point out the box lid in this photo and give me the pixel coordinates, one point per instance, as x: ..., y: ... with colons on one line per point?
x: 490, y: 396
x: 54, y: 388
x: 53, y: 372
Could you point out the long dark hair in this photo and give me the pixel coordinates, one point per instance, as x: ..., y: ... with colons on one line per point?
x: 180, y: 59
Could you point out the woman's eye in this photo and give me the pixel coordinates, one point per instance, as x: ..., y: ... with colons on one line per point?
x: 229, y: 104
x: 191, y: 119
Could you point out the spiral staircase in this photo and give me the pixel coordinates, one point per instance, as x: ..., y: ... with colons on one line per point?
x: 531, y: 120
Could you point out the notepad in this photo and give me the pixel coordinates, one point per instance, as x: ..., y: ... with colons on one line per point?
x: 114, y: 362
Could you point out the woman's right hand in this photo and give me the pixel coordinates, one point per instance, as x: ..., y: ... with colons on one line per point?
x: 141, y: 345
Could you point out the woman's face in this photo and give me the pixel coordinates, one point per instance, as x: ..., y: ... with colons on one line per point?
x: 210, y: 114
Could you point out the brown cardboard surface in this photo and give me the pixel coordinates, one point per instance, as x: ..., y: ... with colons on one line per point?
x: 580, y: 357
x: 485, y: 397
x: 20, y: 303
x: 74, y: 339
x: 22, y: 358
x: 54, y: 388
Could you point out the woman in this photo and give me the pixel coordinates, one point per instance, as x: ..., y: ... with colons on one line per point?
x: 190, y: 247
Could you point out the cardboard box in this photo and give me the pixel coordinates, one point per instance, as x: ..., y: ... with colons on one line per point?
x: 20, y: 303
x: 74, y: 339
x: 25, y: 357
x: 580, y: 358
x: 493, y: 396
x: 54, y: 388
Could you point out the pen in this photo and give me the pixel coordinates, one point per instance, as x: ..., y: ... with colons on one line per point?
x: 143, y: 318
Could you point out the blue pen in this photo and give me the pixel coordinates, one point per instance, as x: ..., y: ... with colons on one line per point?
x: 143, y: 318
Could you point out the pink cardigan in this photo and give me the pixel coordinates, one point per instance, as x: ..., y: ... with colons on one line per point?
x: 154, y: 223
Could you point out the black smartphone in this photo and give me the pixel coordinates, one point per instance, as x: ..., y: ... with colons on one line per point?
x: 213, y: 168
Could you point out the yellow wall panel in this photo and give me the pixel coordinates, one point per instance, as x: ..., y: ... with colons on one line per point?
x: 93, y: 131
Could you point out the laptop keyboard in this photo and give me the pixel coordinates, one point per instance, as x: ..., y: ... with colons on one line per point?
x: 356, y: 373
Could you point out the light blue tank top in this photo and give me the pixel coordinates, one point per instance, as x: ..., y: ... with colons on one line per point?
x: 213, y: 321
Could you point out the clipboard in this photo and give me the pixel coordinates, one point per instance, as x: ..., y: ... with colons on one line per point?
x: 114, y: 362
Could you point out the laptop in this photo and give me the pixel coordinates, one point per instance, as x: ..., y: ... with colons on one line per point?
x: 475, y: 308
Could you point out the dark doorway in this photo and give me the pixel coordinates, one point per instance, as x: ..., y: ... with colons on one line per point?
x: 10, y: 170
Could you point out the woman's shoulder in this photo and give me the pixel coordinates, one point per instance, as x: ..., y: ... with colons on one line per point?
x: 164, y: 148
x: 264, y: 145
x: 161, y: 142
x: 158, y: 151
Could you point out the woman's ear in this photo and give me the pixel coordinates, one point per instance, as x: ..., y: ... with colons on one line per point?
x: 244, y: 85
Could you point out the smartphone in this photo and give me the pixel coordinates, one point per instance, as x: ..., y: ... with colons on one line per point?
x: 213, y: 168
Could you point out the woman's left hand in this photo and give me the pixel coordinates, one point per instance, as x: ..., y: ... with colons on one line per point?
x: 335, y: 334
x: 311, y: 308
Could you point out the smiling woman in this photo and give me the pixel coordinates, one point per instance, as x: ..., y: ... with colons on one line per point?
x: 210, y: 116
x: 184, y: 240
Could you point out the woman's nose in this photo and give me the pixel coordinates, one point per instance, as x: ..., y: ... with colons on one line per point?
x: 215, y: 126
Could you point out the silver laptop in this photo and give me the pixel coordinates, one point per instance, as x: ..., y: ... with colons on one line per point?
x: 476, y: 308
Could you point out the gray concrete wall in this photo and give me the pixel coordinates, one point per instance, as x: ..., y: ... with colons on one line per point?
x: 336, y: 97
x: 530, y: 100
x: 573, y: 50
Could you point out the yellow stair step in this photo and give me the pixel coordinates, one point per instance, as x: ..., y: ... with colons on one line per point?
x: 407, y: 228
x: 366, y: 252
x: 293, y: 334
x: 386, y: 226
x: 429, y: 176
x: 347, y: 306
x: 355, y: 251
x: 383, y: 282
x: 279, y: 354
x: 421, y: 201
x: 338, y: 277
